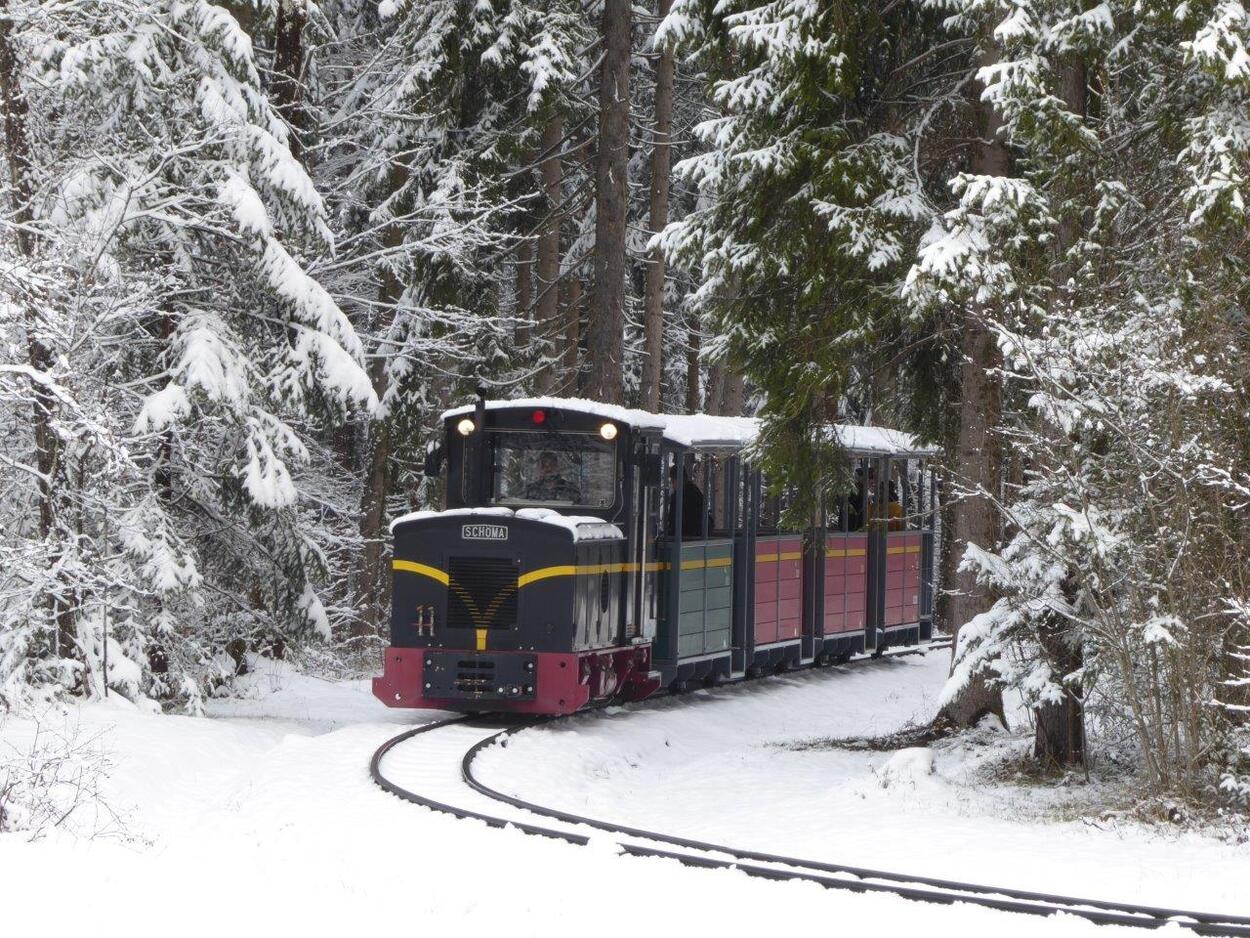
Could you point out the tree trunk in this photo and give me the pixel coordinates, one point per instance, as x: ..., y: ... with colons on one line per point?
x: 693, y: 399
x: 524, y: 291
x: 39, y: 355
x: 733, y: 392
x: 715, y: 388
x: 288, y: 67
x: 975, y: 518
x: 372, y: 587
x: 606, y: 326
x: 1059, y: 739
x: 548, y: 309
x: 372, y: 583
x: 948, y: 560
x: 1060, y: 726
x: 661, y: 164
x: 570, y: 382
x: 977, y: 456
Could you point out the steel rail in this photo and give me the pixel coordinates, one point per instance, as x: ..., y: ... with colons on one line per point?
x: 866, y: 879
x: 782, y: 868
x: 375, y: 771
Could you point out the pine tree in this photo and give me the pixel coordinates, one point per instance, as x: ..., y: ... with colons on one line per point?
x: 1115, y: 326
x: 808, y: 202
x: 193, y: 344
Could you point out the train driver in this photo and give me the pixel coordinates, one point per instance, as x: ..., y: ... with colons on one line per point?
x: 550, y: 485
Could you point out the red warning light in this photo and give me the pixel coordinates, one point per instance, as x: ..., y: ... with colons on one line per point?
x: 539, y: 416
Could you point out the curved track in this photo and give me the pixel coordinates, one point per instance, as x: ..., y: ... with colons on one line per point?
x: 435, y: 770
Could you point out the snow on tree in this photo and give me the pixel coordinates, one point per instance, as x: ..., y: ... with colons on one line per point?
x: 252, y: 248
x: 808, y: 202
x: 192, y: 339
x: 1109, y: 262
x: 432, y: 110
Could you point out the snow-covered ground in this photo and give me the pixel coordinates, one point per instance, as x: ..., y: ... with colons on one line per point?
x: 738, y: 768
x: 263, y: 818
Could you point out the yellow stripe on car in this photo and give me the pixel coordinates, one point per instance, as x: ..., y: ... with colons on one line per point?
x: 773, y: 558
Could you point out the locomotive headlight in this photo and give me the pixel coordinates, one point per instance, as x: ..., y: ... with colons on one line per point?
x: 608, y: 431
x: 465, y: 426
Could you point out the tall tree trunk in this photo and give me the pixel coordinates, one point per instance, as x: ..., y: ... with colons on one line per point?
x: 570, y: 381
x: 548, y: 305
x: 715, y: 388
x: 693, y: 398
x: 524, y: 291
x: 288, y: 65
x: 1074, y: 90
x: 39, y: 355
x: 948, y: 560
x: 372, y: 576
x: 977, y: 456
x: 661, y: 164
x: 606, y: 326
x: 1059, y: 739
x: 733, y: 392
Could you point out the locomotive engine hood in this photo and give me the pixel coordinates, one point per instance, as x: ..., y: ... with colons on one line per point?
x: 493, y: 605
x: 494, y: 578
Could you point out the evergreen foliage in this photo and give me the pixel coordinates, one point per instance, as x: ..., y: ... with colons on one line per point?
x: 809, y: 200
x: 251, y: 248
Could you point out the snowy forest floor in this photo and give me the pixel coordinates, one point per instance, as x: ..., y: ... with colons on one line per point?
x: 263, y: 817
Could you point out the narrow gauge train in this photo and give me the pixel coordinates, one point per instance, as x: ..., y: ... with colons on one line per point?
x: 592, y: 553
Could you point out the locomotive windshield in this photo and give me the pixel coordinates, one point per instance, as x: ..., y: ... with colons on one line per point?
x: 564, y: 469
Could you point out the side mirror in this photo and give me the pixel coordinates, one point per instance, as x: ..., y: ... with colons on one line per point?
x: 433, y: 460
x: 652, y: 469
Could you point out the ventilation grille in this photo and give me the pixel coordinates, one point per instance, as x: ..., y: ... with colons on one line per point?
x: 481, y: 593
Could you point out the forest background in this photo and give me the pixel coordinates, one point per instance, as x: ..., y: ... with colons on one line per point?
x: 251, y: 249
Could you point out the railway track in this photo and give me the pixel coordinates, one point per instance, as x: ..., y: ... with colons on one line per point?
x: 432, y: 766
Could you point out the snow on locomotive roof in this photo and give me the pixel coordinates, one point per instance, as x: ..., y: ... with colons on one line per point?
x: 710, y: 430
x: 582, y: 527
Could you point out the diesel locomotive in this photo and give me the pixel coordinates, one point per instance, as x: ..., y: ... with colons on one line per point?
x: 590, y: 553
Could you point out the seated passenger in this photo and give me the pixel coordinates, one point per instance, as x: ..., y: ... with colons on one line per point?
x: 691, y: 506
x: 897, y: 520
x: 854, y: 504
x: 892, y: 511
x: 550, y: 486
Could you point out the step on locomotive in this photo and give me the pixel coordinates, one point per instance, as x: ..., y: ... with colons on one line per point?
x: 591, y: 554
